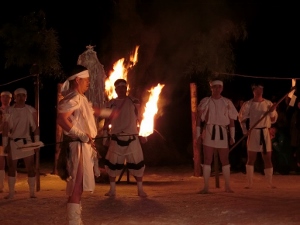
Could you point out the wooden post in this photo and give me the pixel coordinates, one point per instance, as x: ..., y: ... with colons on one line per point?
x: 37, y: 152
x: 196, y: 147
x: 58, y: 135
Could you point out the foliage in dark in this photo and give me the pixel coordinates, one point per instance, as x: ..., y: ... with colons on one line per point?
x: 29, y: 42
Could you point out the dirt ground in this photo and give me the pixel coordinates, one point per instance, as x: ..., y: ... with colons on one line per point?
x: 172, y: 199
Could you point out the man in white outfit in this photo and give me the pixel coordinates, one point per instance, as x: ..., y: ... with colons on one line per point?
x: 124, y: 144
x: 4, y: 115
x: 218, y: 113
x: 76, y: 117
x: 16, y: 132
x: 259, y: 137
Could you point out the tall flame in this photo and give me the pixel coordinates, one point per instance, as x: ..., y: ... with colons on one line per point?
x: 120, y: 71
x: 147, y: 124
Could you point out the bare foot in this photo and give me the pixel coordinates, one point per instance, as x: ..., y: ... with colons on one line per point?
x: 32, y: 196
x: 142, y: 194
x: 110, y: 193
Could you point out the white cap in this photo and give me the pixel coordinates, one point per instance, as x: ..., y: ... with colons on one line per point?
x: 20, y: 91
x: 216, y: 82
x: 6, y: 93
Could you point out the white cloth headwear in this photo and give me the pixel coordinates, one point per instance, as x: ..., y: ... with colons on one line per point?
x: 6, y: 93
x: 20, y: 91
x: 216, y: 82
x: 66, y: 85
x: 121, y: 84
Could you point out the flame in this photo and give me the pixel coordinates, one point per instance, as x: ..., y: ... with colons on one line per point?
x: 147, y: 124
x: 120, y: 71
x: 134, y: 57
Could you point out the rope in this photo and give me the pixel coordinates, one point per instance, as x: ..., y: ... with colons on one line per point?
x: 248, y: 76
x: 18, y: 80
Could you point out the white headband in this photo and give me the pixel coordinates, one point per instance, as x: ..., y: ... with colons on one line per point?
x: 6, y: 93
x: 20, y: 91
x: 66, y: 85
x: 121, y: 84
x: 216, y: 82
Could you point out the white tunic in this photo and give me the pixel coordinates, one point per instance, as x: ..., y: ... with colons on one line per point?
x: 217, y: 114
x: 254, y: 111
x: 20, y: 122
x: 125, y: 123
x: 83, y: 119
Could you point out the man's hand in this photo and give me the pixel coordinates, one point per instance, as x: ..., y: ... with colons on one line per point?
x: 143, y: 140
x: 91, y: 142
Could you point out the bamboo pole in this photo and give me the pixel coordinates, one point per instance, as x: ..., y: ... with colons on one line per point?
x: 196, y: 147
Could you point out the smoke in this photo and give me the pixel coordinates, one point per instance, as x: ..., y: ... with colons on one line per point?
x: 165, y: 31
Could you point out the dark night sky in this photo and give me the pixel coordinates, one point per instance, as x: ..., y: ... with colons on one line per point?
x: 271, y: 49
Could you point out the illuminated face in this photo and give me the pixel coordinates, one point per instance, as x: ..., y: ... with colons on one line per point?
x: 121, y: 91
x: 83, y: 84
x: 20, y: 98
x: 258, y: 91
x: 5, y: 99
x: 216, y: 89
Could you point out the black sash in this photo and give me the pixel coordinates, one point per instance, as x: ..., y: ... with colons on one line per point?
x: 262, y: 140
x: 114, y: 137
x: 213, y: 134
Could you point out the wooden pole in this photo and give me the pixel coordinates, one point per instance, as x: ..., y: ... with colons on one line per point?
x: 196, y: 147
x: 58, y: 135
x: 37, y: 153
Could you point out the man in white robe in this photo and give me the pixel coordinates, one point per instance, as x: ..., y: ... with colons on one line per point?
x: 21, y: 120
x: 124, y: 145
x: 259, y: 137
x: 218, y: 113
x: 76, y: 117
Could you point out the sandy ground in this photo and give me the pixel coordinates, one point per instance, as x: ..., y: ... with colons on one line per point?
x: 172, y: 199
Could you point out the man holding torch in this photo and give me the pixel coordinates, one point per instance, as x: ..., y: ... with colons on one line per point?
x: 124, y: 144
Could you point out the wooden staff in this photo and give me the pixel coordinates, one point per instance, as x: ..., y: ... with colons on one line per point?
x: 258, y: 121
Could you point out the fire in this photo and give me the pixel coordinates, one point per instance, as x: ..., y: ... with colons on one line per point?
x: 120, y: 70
x: 134, y: 57
x: 147, y: 124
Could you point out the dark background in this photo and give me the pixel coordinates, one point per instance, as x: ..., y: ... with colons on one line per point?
x: 270, y: 51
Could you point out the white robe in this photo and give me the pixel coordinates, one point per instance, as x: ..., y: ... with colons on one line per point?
x: 216, y: 112
x: 20, y: 121
x: 83, y: 119
x: 254, y: 111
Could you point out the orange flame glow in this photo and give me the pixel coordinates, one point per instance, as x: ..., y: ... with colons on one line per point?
x: 147, y: 124
x: 120, y: 71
